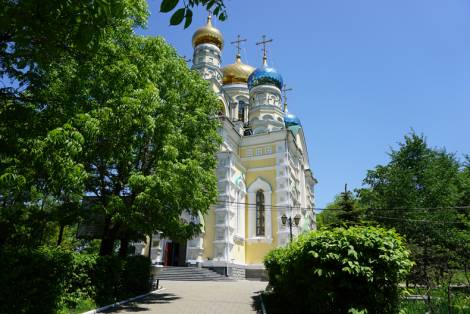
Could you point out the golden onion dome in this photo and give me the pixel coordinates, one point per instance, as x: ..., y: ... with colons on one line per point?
x: 237, y: 72
x: 208, y: 35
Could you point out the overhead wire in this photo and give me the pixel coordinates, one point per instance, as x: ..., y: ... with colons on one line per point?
x: 252, y: 206
x: 340, y: 209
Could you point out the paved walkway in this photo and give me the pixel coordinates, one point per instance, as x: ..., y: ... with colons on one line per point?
x: 199, y: 297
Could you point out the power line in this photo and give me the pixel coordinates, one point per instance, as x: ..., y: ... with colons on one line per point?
x: 420, y: 220
x: 372, y: 216
x: 415, y: 209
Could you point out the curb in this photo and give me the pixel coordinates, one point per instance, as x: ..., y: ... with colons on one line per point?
x: 110, y: 306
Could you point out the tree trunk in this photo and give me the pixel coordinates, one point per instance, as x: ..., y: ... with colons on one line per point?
x: 61, y: 234
x: 149, y: 252
x: 107, y: 246
x: 123, y: 247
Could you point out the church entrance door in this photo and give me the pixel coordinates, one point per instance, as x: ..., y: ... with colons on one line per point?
x: 175, y: 254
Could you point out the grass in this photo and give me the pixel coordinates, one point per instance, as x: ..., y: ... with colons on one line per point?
x: 460, y: 302
x: 82, y: 306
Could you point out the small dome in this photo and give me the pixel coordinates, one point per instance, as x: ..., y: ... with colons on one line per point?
x: 265, y: 76
x: 208, y: 35
x: 237, y: 72
x: 291, y: 120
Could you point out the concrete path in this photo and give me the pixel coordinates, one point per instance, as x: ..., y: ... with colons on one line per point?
x: 199, y: 297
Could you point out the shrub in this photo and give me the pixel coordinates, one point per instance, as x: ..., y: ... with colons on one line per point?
x: 32, y: 281
x: 78, y: 285
x: 47, y: 279
x: 116, y: 278
x: 335, y: 271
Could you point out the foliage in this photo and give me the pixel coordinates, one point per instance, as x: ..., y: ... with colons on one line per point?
x: 217, y: 7
x: 419, y: 193
x: 150, y: 137
x: 32, y: 281
x: 46, y: 280
x: 41, y: 182
x: 116, y: 278
x: 33, y: 33
x: 78, y: 285
x: 460, y: 303
x: 345, y: 210
x: 333, y: 271
x: 129, y: 126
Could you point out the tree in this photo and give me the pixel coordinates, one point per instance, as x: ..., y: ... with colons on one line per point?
x: 122, y: 129
x: 150, y: 138
x: 418, y: 193
x: 185, y: 13
x: 345, y: 210
x: 39, y: 173
x: 34, y: 34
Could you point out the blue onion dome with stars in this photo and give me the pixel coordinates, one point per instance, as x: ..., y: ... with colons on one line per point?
x: 265, y: 75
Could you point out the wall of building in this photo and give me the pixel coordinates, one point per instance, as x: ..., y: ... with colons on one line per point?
x: 209, y: 221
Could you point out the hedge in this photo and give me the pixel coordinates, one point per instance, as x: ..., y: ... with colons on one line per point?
x: 32, y: 281
x: 47, y: 279
x: 338, y: 271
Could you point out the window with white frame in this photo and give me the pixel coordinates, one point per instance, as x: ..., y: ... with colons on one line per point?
x: 260, y: 214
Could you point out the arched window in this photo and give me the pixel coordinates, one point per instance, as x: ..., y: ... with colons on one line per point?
x: 241, y: 110
x: 260, y: 231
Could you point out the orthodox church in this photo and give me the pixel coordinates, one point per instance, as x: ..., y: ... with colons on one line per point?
x: 264, y: 179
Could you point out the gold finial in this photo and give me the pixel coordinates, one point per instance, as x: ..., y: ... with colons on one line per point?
x: 237, y: 42
x: 209, y: 18
x: 284, y: 91
x: 264, y: 42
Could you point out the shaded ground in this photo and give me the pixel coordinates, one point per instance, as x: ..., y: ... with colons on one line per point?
x: 196, y: 297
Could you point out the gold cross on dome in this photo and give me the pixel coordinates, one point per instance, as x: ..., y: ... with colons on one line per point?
x: 264, y: 42
x: 284, y: 91
x: 238, y: 42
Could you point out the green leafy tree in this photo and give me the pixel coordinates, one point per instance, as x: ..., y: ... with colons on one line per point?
x: 217, y: 7
x: 116, y: 125
x: 345, y: 210
x: 417, y: 193
x: 150, y: 138
x: 34, y: 34
x: 41, y: 182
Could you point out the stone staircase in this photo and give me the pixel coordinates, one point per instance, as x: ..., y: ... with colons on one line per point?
x: 188, y: 274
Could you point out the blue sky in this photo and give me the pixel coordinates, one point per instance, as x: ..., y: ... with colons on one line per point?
x: 364, y: 73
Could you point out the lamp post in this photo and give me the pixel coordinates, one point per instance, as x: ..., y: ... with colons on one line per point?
x: 288, y: 220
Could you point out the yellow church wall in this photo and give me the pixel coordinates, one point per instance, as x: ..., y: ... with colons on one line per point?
x: 244, y: 151
x: 209, y: 235
x: 256, y: 251
x: 238, y: 253
x: 268, y: 162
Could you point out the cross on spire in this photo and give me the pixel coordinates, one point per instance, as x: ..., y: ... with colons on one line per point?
x: 209, y: 17
x: 284, y: 91
x: 238, y: 42
x: 264, y: 42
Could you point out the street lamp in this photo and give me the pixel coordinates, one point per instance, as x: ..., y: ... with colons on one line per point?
x: 288, y: 220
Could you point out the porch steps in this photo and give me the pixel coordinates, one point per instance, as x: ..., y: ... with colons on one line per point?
x: 188, y: 274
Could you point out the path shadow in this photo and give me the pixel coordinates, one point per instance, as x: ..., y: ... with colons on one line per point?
x: 256, y: 302
x: 140, y: 305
